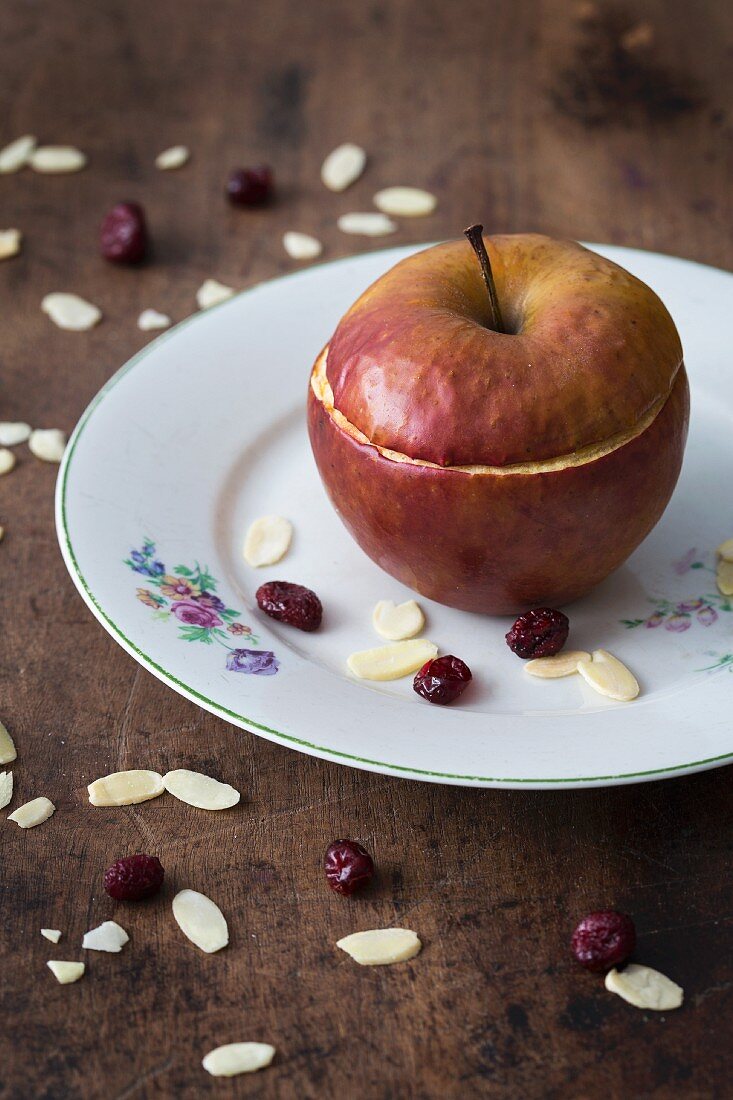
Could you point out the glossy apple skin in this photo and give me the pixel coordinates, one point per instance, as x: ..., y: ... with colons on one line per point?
x: 499, y: 544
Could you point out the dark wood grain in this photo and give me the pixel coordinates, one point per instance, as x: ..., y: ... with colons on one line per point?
x: 470, y: 100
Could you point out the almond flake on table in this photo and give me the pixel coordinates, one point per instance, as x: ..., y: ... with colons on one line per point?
x: 392, y: 662
x: 150, y: 320
x: 397, y: 622
x: 343, y: 166
x: 7, y: 747
x: 609, y: 676
x: 33, y: 813
x: 125, y: 788
x: 48, y: 444
x: 724, y: 551
x: 724, y: 577
x: 200, y: 790
x: 70, y: 312
x: 201, y: 920
x: 6, y: 789
x: 211, y: 293
x: 381, y: 946
x: 66, y: 972
x: 57, y: 159
x: 234, y: 1058
x: 366, y: 224
x: 175, y: 157
x: 301, y: 246
x: 7, y: 461
x: 52, y: 934
x: 17, y: 154
x: 405, y: 202
x: 13, y: 432
x: 9, y: 243
x: 643, y: 987
x: 108, y: 936
x: 562, y: 664
x: 267, y: 540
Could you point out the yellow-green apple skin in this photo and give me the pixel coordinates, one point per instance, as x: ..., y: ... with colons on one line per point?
x: 498, y: 471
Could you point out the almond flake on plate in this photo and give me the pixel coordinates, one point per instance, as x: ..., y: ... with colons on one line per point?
x: 267, y: 541
x: 6, y: 789
x: 70, y: 312
x: 343, y: 166
x: 9, y: 243
x: 396, y: 622
x: 200, y: 790
x: 724, y: 551
x: 608, y: 676
x: 150, y: 320
x: 562, y: 664
x: 366, y: 225
x: 13, y: 432
x: 381, y: 946
x: 201, y: 920
x: 57, y: 159
x: 175, y: 157
x: 644, y: 987
x: 125, y: 788
x: 52, y: 934
x: 301, y: 246
x: 724, y: 577
x: 66, y: 972
x: 17, y: 154
x: 405, y: 202
x: 7, y: 747
x: 211, y: 293
x: 234, y: 1058
x: 108, y: 936
x: 392, y: 662
x: 48, y: 444
x: 7, y: 461
x: 33, y: 813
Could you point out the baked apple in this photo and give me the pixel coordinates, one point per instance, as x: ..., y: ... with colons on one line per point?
x: 501, y: 434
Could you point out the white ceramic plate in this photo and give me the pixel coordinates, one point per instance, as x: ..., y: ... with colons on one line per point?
x: 204, y: 430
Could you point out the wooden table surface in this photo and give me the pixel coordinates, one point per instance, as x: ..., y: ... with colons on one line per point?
x: 524, y: 116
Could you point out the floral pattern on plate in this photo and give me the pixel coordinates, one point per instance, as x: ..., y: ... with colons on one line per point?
x: 681, y: 615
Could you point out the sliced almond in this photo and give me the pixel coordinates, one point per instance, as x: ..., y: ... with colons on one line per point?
x: 724, y: 577
x: 7, y: 748
x: 301, y: 246
x: 562, y: 664
x: 200, y: 790
x: 7, y: 461
x: 396, y: 622
x: 66, y: 972
x: 17, y: 154
x: 70, y: 312
x: 608, y: 676
x: 33, y: 813
x: 13, y: 432
x: 201, y: 920
x: 52, y: 934
x: 405, y: 202
x: 6, y: 789
x: 57, y: 159
x: 48, y: 444
x: 211, y: 293
x: 725, y: 550
x: 9, y: 243
x: 644, y: 987
x: 267, y: 540
x: 175, y: 157
x: 366, y: 224
x: 108, y: 936
x: 234, y: 1058
x: 150, y: 320
x: 125, y: 788
x: 343, y: 166
x: 391, y: 662
x: 381, y: 946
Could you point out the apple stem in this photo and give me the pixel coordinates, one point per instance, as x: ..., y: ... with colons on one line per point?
x: 474, y: 233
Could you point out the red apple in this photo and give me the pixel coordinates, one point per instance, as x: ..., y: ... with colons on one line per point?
x: 497, y: 470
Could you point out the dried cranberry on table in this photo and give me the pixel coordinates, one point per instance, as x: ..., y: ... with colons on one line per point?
x: 538, y: 633
x: 123, y: 234
x: 442, y: 680
x: 603, y: 939
x: 348, y: 866
x: 134, y: 878
x: 251, y: 186
x: 290, y: 603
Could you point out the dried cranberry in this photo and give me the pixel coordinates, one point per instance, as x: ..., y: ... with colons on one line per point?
x: 134, y: 878
x: 442, y: 680
x: 348, y: 866
x: 538, y: 633
x: 290, y: 603
x: 603, y: 939
x: 250, y: 186
x: 123, y: 235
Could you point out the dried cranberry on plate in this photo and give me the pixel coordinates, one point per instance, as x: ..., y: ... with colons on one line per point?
x: 538, y: 633
x: 290, y: 603
x: 442, y: 680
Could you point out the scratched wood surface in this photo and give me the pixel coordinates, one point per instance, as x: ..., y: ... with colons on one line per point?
x: 526, y: 116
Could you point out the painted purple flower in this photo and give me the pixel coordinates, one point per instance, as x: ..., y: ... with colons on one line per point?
x: 654, y: 620
x: 707, y: 616
x: 685, y: 562
x: 208, y: 599
x: 192, y: 614
x: 678, y: 623
x: 689, y: 605
x: 255, y: 662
